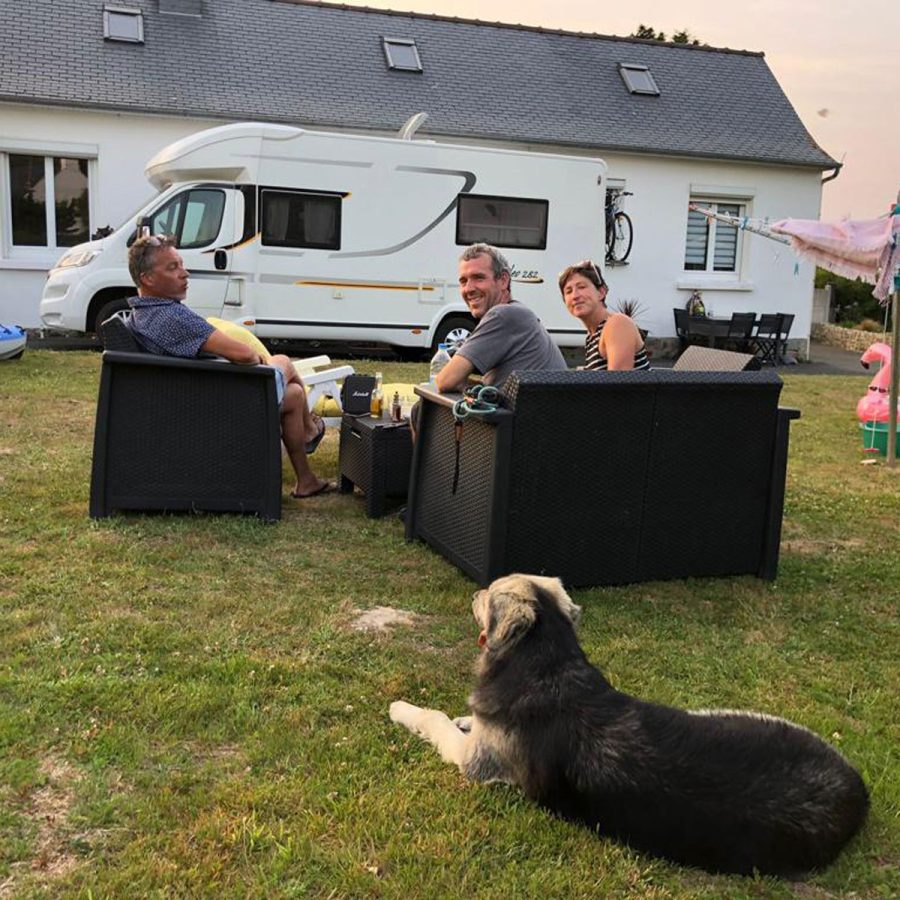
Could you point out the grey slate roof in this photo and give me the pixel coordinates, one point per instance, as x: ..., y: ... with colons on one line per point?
x: 323, y: 65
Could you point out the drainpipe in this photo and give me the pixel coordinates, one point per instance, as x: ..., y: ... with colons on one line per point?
x: 834, y: 174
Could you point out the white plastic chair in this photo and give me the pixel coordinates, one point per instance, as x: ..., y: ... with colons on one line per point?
x: 322, y: 383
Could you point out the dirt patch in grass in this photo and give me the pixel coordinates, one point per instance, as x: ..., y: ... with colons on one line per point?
x: 806, y: 547
x: 48, y: 808
x: 383, y: 619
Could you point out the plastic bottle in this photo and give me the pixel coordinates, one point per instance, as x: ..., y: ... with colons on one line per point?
x: 376, y: 405
x: 438, y: 361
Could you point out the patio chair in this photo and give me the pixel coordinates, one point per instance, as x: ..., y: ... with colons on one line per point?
x: 787, y: 320
x: 606, y: 477
x: 766, y: 340
x: 183, y: 434
x: 739, y: 331
x: 682, y: 328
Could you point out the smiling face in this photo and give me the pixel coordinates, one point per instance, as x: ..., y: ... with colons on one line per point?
x: 167, y: 277
x: 584, y: 300
x: 478, y: 286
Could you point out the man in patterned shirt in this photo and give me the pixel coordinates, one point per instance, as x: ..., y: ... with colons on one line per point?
x: 161, y: 324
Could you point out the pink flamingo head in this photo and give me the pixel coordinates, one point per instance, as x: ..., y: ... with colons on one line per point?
x: 873, y: 406
x: 878, y: 352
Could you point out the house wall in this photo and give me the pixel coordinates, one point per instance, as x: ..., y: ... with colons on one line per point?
x: 121, y: 143
x: 770, y: 278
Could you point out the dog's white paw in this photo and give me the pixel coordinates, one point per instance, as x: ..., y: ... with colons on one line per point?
x: 463, y: 723
x: 404, y: 713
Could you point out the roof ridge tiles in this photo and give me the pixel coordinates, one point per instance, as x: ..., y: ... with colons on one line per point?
x: 538, y: 29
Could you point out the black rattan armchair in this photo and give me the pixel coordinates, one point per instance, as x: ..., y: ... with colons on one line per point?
x: 607, y: 477
x: 184, y: 434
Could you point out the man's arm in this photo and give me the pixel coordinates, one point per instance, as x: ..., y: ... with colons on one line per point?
x: 453, y: 376
x: 234, y: 351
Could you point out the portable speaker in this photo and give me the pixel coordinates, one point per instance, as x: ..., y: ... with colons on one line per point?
x: 356, y: 394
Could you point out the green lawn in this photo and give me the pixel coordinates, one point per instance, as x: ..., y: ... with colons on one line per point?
x: 185, y: 710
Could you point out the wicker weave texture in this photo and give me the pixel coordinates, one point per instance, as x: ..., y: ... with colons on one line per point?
x: 192, y: 435
x: 458, y: 524
x: 576, y: 468
x: 375, y: 456
x: 612, y: 477
x: 708, y: 481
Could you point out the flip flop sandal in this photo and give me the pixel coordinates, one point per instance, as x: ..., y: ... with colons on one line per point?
x: 326, y: 488
x: 311, y: 445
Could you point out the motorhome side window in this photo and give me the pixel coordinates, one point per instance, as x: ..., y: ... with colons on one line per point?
x: 501, y: 221
x: 194, y: 217
x: 296, y: 219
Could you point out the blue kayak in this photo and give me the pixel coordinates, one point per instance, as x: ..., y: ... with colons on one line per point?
x: 12, y: 341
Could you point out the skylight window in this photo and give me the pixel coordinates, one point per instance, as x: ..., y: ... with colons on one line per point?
x: 402, y: 54
x: 122, y: 23
x: 638, y: 79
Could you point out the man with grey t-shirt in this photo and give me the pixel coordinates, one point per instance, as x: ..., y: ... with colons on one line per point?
x: 508, y: 335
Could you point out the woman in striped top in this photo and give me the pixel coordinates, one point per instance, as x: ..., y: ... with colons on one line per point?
x: 613, y: 341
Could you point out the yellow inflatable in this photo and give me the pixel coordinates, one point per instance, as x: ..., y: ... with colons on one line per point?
x: 239, y: 333
x: 326, y: 406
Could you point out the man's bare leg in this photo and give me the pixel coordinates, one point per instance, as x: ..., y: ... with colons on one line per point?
x: 312, y: 424
x: 293, y: 433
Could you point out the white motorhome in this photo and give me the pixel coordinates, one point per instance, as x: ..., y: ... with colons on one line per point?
x: 313, y: 236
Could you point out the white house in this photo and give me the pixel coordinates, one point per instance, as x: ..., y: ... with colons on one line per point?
x: 90, y: 91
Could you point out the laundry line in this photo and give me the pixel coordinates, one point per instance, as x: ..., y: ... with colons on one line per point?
x: 755, y: 226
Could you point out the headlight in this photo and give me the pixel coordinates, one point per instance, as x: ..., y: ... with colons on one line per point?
x: 78, y: 258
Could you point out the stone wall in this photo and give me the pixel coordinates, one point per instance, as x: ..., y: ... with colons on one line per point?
x: 846, y: 338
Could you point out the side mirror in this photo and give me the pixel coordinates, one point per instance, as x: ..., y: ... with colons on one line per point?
x: 220, y: 260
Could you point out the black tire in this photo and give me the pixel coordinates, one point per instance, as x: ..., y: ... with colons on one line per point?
x: 619, y: 239
x: 110, y: 308
x: 453, y: 330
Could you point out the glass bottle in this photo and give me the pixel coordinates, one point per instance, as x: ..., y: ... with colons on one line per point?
x: 376, y: 407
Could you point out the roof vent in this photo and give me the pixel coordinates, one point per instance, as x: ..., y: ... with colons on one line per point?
x: 638, y: 79
x: 402, y: 54
x: 181, y: 7
x: 123, y: 23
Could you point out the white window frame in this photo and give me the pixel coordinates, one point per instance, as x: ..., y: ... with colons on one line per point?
x: 12, y: 256
x: 130, y: 11
x: 707, y: 201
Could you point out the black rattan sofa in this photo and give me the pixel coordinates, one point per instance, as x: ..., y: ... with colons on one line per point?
x: 607, y: 477
x: 183, y: 434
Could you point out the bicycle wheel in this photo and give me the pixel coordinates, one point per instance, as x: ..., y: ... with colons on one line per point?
x: 620, y: 238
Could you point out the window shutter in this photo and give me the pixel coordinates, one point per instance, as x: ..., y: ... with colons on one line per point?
x: 725, y: 249
x: 696, y: 243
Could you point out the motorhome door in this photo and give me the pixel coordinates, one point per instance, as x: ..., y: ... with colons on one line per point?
x: 202, y: 217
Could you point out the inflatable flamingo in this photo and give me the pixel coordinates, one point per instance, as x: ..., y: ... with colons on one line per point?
x: 874, y: 406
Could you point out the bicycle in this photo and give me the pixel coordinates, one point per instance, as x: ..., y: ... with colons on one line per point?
x: 619, y: 233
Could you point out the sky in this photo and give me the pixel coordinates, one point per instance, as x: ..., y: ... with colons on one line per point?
x: 838, y: 63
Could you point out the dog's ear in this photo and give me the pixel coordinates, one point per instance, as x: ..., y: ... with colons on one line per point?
x: 510, y: 615
x: 554, y: 588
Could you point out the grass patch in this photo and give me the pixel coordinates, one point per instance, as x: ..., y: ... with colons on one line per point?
x: 186, y: 710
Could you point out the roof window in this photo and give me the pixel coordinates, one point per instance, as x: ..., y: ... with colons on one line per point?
x: 402, y: 54
x: 123, y: 23
x: 638, y: 79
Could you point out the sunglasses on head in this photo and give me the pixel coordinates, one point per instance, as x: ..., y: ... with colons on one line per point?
x: 586, y: 264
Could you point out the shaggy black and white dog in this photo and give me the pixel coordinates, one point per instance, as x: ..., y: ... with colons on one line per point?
x: 725, y: 790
